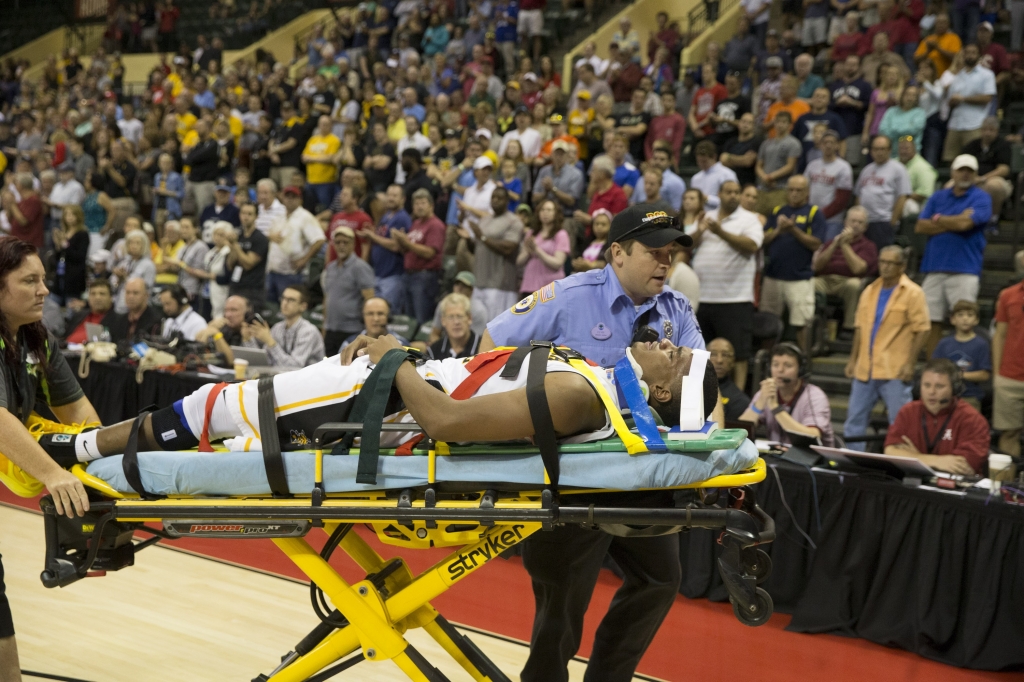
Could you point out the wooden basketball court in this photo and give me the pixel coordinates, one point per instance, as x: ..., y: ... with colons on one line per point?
x: 178, y: 616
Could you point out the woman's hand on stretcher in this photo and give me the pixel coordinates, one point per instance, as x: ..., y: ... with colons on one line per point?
x: 367, y: 345
x: 67, y: 491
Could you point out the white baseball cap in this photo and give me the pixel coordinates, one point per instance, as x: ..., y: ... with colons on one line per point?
x: 485, y: 162
x: 965, y: 161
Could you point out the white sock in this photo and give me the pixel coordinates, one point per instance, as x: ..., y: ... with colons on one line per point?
x: 86, y: 448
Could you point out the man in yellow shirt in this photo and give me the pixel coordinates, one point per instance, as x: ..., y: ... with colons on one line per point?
x: 170, y: 249
x: 186, y: 119
x: 940, y: 47
x: 320, y: 157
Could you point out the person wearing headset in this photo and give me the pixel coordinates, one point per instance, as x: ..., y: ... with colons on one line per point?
x: 941, y: 430
x: 179, y: 318
x: 787, y: 403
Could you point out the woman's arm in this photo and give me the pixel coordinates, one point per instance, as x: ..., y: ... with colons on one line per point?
x: 555, y: 260
x: 21, y: 448
x: 79, y: 412
x: 104, y: 200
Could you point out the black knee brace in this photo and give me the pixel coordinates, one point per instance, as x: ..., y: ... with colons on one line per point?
x: 169, y: 431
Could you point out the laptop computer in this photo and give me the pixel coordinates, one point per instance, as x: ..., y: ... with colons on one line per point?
x: 93, y: 332
x: 896, y: 466
x: 257, y: 357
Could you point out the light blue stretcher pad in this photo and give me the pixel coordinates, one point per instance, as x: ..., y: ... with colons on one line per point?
x: 242, y: 473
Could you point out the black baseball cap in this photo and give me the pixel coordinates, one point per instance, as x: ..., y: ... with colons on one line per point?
x: 647, y: 225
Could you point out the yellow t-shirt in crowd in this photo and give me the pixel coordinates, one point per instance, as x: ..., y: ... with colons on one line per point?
x: 165, y: 252
x: 186, y: 122
x: 396, y: 131
x: 322, y: 145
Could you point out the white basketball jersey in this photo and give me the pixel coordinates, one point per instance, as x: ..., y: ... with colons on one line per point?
x: 329, y: 382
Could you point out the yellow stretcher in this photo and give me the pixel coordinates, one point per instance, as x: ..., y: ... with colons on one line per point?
x: 367, y: 620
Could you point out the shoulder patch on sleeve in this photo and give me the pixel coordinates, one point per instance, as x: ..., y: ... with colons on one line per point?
x: 526, y: 305
x: 547, y: 293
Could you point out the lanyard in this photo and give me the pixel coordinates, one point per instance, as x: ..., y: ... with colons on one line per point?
x: 928, y: 442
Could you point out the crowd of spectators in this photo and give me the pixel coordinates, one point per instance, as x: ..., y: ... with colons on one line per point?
x: 419, y: 140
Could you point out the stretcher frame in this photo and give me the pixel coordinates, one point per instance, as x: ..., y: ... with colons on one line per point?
x: 369, y: 618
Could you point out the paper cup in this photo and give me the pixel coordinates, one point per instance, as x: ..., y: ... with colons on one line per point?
x: 241, y: 367
x: 1000, y: 467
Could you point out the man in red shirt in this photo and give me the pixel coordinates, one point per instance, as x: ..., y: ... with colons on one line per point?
x: 705, y: 100
x: 604, y: 192
x: 26, y: 216
x: 841, y: 262
x: 993, y: 55
x: 1008, y: 362
x: 670, y: 127
x: 353, y: 217
x: 100, y: 311
x: 422, y: 247
x: 941, y: 430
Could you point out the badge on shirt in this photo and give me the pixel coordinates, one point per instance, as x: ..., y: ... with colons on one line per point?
x: 666, y: 326
x: 525, y: 305
x: 601, y: 332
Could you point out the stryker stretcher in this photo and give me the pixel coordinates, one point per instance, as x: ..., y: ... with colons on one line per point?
x: 483, y: 499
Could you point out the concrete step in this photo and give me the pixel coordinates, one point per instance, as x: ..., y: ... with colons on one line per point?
x: 838, y: 386
x: 839, y: 407
x: 832, y: 365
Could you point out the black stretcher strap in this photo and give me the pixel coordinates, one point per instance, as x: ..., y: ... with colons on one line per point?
x: 540, y: 413
x: 272, y: 460
x: 515, y: 362
x: 130, y: 461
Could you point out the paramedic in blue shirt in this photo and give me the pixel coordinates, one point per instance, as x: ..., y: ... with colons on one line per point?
x: 597, y: 313
x: 954, y: 220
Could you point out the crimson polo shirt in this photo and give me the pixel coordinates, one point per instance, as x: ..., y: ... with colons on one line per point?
x: 966, y: 434
x: 1010, y: 310
x: 613, y: 199
x: 863, y: 247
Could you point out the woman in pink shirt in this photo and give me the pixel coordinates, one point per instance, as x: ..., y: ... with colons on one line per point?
x: 544, y: 249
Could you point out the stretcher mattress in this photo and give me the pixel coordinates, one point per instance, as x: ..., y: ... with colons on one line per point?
x: 243, y: 473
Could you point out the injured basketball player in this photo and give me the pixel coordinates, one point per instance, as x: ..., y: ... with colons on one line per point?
x: 497, y: 409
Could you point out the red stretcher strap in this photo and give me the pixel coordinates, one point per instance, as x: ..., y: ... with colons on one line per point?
x: 211, y: 400
x: 481, y: 368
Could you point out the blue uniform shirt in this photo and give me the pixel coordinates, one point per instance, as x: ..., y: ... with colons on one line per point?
x: 961, y: 252
x: 591, y: 313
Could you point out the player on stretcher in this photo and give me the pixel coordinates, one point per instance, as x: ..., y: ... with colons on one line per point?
x: 324, y: 392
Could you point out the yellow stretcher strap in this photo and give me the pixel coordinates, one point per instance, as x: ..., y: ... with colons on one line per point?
x: 634, y: 444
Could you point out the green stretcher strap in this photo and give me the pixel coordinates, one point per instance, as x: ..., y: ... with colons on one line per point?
x: 369, y: 408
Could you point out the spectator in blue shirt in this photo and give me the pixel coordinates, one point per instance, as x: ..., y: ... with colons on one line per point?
x: 626, y: 175
x: 793, y: 233
x: 386, y: 257
x: 967, y: 350
x: 954, y: 220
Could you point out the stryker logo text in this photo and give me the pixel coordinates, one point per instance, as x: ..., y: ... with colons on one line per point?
x: 492, y: 546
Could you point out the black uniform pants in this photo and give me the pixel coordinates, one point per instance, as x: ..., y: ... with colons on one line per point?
x: 564, y: 565
x: 6, y: 620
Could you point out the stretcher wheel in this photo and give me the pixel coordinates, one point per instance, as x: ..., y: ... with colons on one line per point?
x: 757, y: 564
x: 762, y: 610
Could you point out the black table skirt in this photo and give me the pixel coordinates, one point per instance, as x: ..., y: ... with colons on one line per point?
x: 931, y: 573
x: 113, y: 391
